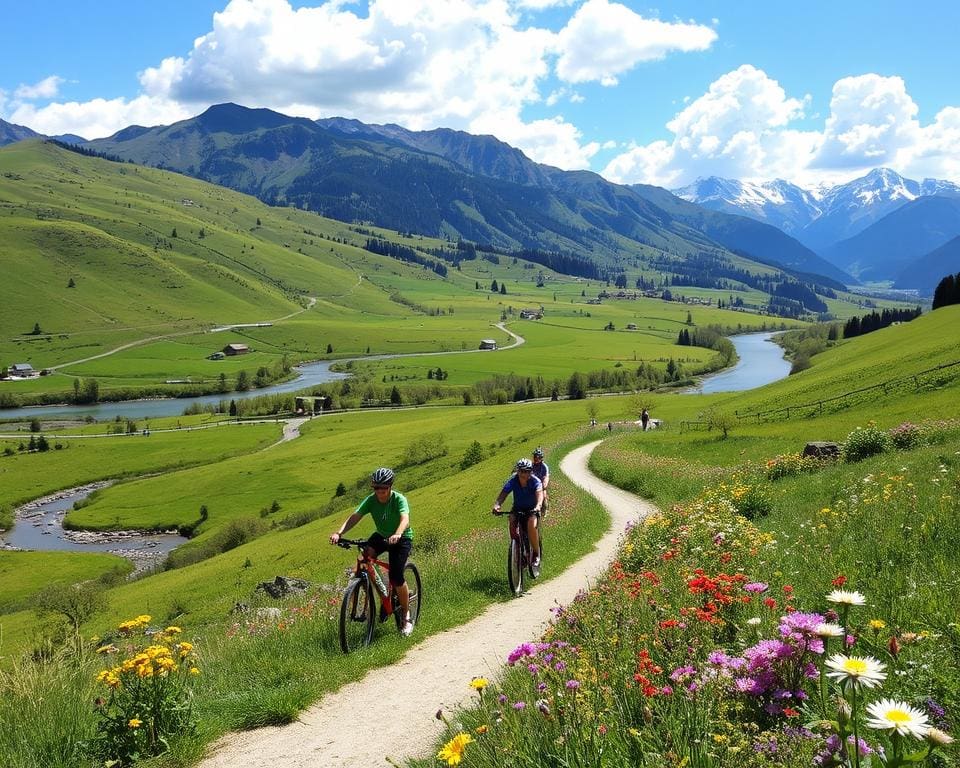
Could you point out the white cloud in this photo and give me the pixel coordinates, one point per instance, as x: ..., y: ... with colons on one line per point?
x: 741, y: 128
x: 420, y: 63
x: 47, y: 88
x: 99, y: 117
x: 871, y: 119
x: 604, y: 40
x: 734, y: 129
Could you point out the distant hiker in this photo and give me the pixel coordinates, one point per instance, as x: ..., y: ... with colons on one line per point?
x: 609, y: 426
x: 644, y: 419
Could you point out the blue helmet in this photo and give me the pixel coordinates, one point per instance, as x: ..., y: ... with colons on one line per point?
x: 382, y: 476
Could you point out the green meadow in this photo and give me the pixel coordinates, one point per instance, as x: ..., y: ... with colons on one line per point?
x: 141, y: 265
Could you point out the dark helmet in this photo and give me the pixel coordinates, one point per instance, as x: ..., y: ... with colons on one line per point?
x: 538, y: 452
x: 524, y: 464
x: 382, y: 476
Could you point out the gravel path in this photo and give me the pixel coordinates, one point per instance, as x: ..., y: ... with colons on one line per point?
x: 434, y: 673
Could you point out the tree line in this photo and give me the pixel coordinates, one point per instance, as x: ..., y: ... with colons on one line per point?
x: 947, y: 291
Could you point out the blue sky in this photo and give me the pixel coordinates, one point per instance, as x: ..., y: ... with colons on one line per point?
x: 814, y: 92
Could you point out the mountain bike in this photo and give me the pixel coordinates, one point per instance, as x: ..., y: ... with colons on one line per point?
x: 519, y: 556
x: 359, y: 610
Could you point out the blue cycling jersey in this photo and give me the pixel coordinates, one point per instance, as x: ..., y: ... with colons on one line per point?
x: 523, y: 498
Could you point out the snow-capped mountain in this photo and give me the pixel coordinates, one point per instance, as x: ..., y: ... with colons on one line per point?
x: 780, y: 203
x: 818, y: 218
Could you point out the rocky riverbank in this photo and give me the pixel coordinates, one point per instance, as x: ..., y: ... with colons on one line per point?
x: 44, y: 517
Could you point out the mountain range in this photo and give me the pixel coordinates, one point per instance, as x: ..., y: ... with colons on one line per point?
x: 460, y: 186
x: 874, y: 227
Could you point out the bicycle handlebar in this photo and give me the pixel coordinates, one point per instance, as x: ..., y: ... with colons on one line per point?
x: 347, y: 543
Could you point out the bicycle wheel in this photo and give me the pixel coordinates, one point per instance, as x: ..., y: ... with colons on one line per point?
x: 357, y: 615
x: 515, y: 567
x: 411, y: 574
x: 535, y: 569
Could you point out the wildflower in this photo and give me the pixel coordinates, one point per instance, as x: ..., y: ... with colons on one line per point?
x: 828, y: 629
x: 939, y: 738
x: 520, y: 706
x: 173, y: 630
x: 453, y: 750
x: 843, y: 597
x: 756, y: 587
x: 877, y: 624
x: 194, y: 671
x: 135, y: 722
x: 543, y: 706
x: 481, y: 729
x: 859, y: 670
x: 890, y: 715
x: 572, y: 685
x: 839, y: 580
x: 479, y: 683
x: 754, y: 621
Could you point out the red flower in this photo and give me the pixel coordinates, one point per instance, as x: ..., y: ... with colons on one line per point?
x: 790, y: 712
x: 770, y: 603
x: 787, y: 589
x: 839, y: 581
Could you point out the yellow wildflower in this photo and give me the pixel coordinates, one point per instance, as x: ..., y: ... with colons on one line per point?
x: 194, y: 671
x: 479, y: 683
x: 877, y: 624
x: 173, y: 630
x: 135, y: 722
x: 453, y: 750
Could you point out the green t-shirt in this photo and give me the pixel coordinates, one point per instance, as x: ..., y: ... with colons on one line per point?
x: 387, y: 516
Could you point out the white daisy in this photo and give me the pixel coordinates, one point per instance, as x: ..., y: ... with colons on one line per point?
x: 890, y: 715
x: 843, y: 597
x: 863, y: 671
x: 829, y: 630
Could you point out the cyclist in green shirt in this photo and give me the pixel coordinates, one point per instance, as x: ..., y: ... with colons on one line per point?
x: 391, y: 515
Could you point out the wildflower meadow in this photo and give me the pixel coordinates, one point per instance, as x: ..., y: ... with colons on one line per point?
x: 766, y: 621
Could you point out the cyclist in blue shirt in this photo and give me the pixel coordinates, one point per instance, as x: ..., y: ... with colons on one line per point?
x: 527, y: 493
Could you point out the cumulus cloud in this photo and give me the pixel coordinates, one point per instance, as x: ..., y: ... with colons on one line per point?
x: 420, y: 63
x: 47, y: 88
x: 871, y: 119
x: 734, y: 129
x: 604, y: 40
x: 99, y: 117
x: 741, y: 128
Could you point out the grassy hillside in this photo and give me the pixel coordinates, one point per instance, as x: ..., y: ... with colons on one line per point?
x: 257, y: 672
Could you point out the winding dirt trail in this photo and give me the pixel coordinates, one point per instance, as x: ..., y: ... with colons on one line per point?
x: 434, y: 673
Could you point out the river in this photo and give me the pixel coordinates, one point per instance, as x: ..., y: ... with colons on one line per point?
x: 761, y: 362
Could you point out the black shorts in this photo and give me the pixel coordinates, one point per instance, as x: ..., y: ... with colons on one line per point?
x: 399, y: 554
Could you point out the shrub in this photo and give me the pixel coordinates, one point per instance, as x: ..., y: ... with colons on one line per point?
x: 424, y: 449
x: 864, y: 442
x: 906, y: 436
x: 790, y: 465
x: 474, y: 455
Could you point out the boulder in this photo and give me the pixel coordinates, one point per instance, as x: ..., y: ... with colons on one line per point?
x: 283, y: 586
x: 822, y: 450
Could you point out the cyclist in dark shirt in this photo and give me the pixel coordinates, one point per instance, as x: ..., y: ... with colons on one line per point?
x: 391, y: 514
x: 527, y: 493
x: 541, y: 470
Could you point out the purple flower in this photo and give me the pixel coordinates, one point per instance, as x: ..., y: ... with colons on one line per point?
x: 560, y: 666
x: 572, y: 685
x: 502, y: 699
x: 541, y: 687
x: 533, y: 669
x: 520, y: 705
x: 756, y: 587
x: 682, y: 673
x: 525, y: 649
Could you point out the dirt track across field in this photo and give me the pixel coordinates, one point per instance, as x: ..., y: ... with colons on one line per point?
x: 434, y: 674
